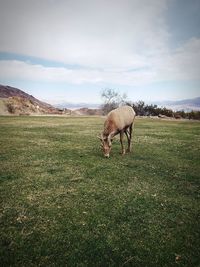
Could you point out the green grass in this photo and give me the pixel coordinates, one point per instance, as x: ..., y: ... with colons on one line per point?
x: 63, y: 204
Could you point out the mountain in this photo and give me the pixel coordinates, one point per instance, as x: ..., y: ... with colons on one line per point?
x: 87, y: 112
x: 185, y: 104
x: 73, y: 106
x: 16, y: 101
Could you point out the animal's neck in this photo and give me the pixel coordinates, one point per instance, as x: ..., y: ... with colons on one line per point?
x: 109, y: 127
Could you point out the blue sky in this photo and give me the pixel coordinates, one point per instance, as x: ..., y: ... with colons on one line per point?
x: 68, y: 51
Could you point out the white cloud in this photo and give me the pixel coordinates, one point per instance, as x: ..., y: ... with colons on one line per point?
x: 25, y: 71
x: 121, y: 42
x: 101, y: 34
x: 183, y: 64
x: 13, y: 69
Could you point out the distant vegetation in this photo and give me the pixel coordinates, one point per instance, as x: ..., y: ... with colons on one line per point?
x: 14, y: 101
x: 143, y: 109
x: 112, y: 99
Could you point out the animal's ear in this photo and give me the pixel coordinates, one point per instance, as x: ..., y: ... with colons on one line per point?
x: 99, y: 137
x: 110, y: 138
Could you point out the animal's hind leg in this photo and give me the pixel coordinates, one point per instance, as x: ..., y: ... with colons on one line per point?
x: 131, y: 134
x: 129, y: 137
x: 121, y: 141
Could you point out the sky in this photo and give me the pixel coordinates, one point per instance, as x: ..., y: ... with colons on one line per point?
x: 70, y: 50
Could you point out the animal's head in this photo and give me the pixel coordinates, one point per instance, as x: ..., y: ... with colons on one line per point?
x: 106, y: 143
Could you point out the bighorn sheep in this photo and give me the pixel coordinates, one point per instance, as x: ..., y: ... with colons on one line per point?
x: 118, y: 121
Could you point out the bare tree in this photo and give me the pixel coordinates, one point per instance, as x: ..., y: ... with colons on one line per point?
x: 112, y: 99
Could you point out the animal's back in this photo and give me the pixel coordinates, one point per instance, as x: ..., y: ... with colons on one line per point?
x: 122, y: 116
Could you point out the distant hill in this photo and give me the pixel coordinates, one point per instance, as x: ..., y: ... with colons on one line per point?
x: 186, y: 104
x: 74, y: 106
x: 16, y: 101
x: 87, y: 112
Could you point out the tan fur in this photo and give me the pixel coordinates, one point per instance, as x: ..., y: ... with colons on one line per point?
x: 118, y: 121
x: 109, y: 126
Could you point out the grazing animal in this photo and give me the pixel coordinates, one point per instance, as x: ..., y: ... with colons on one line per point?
x: 118, y: 121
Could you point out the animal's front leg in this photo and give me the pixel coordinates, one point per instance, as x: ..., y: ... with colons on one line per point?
x: 121, y: 141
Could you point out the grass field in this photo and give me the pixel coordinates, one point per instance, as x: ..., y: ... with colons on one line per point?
x: 63, y: 204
